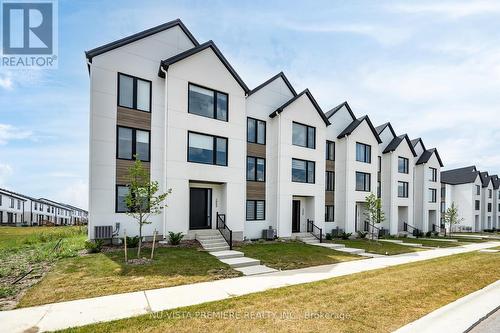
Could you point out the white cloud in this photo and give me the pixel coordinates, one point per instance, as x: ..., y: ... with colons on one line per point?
x: 6, y: 83
x: 75, y: 194
x: 9, y: 132
x: 5, y: 172
x: 451, y: 9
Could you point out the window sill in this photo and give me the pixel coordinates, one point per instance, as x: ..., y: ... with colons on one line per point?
x: 129, y: 108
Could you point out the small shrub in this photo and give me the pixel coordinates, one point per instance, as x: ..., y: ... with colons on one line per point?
x: 345, y: 235
x: 174, y: 238
x: 94, y: 247
x: 132, y: 241
x: 428, y: 234
x: 328, y: 236
x: 435, y: 233
x: 362, y: 234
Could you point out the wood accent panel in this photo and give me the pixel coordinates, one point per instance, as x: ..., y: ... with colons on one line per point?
x: 256, y: 191
x: 254, y: 149
x: 122, y: 167
x: 329, y: 197
x: 133, y: 118
x: 330, y: 165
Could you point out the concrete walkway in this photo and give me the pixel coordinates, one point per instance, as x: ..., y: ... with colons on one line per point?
x: 458, y: 316
x: 87, y: 311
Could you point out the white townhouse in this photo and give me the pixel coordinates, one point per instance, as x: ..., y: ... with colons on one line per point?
x: 427, y: 196
x: 487, y: 199
x: 397, y: 165
x: 55, y: 212
x: 12, y: 208
x: 496, y: 201
x: 234, y: 157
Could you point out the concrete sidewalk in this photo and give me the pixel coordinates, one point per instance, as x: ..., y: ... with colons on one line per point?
x: 458, y: 316
x: 92, y: 310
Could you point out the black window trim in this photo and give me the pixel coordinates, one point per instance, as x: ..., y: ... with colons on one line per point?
x: 369, y: 181
x: 255, y: 210
x: 257, y: 131
x: 307, y: 171
x: 326, y: 215
x: 433, y: 174
x: 406, y: 189
x: 307, y: 135
x: 255, y: 158
x: 406, y: 164
x: 134, y: 143
x: 327, y: 172
x: 214, y: 147
x: 116, y: 198
x: 329, y: 142
x: 134, y: 93
x: 433, y: 198
x: 215, y: 91
x: 370, y: 155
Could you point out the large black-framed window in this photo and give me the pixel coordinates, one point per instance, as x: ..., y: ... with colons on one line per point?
x: 132, y: 142
x: 256, y: 169
x: 256, y: 210
x: 477, y: 205
x: 330, y: 181
x: 120, y: 204
x: 489, y: 207
x: 403, y: 189
x: 432, y: 195
x: 256, y: 131
x: 433, y: 175
x: 303, y: 135
x: 207, y: 149
x: 303, y: 171
x: 329, y: 213
x: 330, y: 150
x: 208, y: 102
x: 403, y: 165
x: 363, y: 153
x: 134, y: 92
x: 363, y: 181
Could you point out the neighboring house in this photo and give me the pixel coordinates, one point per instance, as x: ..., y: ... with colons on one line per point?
x: 496, y: 201
x: 486, y: 201
x: 11, y: 208
x: 57, y: 213
x: 78, y: 216
x: 267, y: 157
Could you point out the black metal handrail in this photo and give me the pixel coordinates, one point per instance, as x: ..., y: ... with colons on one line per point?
x: 224, y: 229
x: 367, y: 228
x: 415, y: 231
x: 315, y: 230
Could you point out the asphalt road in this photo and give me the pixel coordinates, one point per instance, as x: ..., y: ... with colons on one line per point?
x: 489, y: 325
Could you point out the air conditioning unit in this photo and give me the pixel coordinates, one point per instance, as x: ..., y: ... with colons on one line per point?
x: 103, y: 232
x: 269, y: 234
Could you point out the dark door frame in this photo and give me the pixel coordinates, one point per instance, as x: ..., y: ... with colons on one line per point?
x: 295, y: 215
x: 207, y: 208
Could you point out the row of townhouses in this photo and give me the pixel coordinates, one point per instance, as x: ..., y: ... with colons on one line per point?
x: 19, y: 209
x: 476, y: 195
x: 267, y: 157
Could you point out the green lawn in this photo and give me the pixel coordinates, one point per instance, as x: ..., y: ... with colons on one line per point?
x: 374, y: 246
x: 292, y: 255
x: 106, y: 273
x: 375, y: 301
x: 16, y: 237
x: 431, y: 243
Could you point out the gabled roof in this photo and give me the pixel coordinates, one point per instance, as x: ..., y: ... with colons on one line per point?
x: 496, y: 181
x: 14, y: 194
x: 426, y: 156
x: 352, y: 126
x: 394, y: 144
x: 280, y: 74
x: 459, y: 176
x: 382, y: 127
x: 135, y: 37
x: 53, y: 203
x: 293, y: 99
x: 414, y: 142
x: 210, y: 44
x: 338, y: 107
x: 485, y: 178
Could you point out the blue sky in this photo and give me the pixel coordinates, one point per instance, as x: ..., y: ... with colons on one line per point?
x: 430, y: 68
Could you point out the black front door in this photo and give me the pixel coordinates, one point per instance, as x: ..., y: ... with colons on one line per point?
x: 296, y: 216
x: 200, y: 208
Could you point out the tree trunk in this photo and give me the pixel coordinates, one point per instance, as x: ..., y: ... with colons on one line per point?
x: 140, y: 239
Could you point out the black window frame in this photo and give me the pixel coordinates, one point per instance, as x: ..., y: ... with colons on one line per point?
x: 329, y: 175
x: 307, y: 135
x: 116, y: 199
x: 214, y: 149
x: 328, y: 144
x: 477, y: 205
x: 433, y: 174
x: 215, y: 92
x: 365, y: 174
x: 478, y: 190
x: 134, y: 143
x: 255, y: 158
x: 257, y: 131
x: 406, y: 165
x: 490, y: 207
x: 307, y: 171
x: 329, y: 218
x: 406, y: 189
x: 255, y: 210
x: 490, y: 193
x: 433, y: 196
x: 134, y: 93
x: 364, y: 145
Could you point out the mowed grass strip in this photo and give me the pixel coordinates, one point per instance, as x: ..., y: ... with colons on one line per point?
x: 431, y: 243
x: 106, y: 273
x: 376, y: 301
x: 378, y: 247
x: 293, y: 255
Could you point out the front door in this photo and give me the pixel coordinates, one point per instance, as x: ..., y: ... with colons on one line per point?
x: 200, y: 208
x: 296, y: 216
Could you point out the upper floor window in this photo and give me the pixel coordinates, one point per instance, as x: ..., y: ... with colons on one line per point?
x: 121, y: 194
x: 432, y: 195
x: 207, y: 149
x: 330, y: 181
x: 379, y: 158
x: 256, y: 131
x: 207, y: 102
x: 478, y: 190
x: 36, y: 206
x: 330, y: 151
x: 403, y: 165
x: 490, y: 194
x: 363, y: 153
x: 303, y: 135
x: 402, y: 189
x: 499, y: 207
x: 489, y: 207
x: 133, y: 142
x: 134, y: 93
x: 363, y: 181
x: 303, y: 171
x: 1, y: 199
x: 11, y: 202
x: 379, y: 189
x: 433, y: 174
x: 477, y: 205
x: 18, y: 204
x: 256, y: 169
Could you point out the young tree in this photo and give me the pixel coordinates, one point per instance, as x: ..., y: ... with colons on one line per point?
x: 143, y: 199
x: 451, y: 216
x: 374, y: 213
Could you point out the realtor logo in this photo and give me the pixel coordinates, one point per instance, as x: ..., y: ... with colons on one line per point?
x: 29, y: 28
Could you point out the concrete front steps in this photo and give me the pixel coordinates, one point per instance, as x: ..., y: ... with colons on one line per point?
x: 400, y: 242
x: 212, y: 241
x: 311, y: 240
